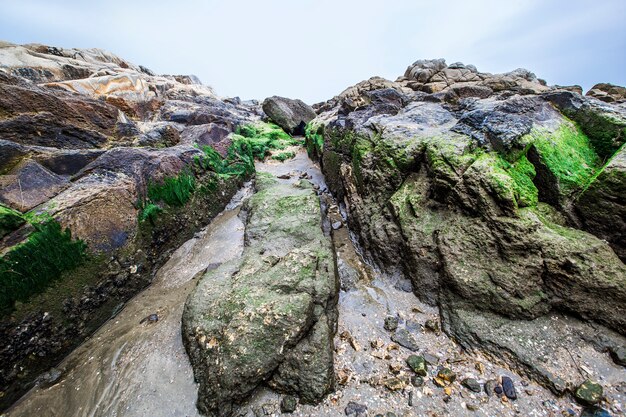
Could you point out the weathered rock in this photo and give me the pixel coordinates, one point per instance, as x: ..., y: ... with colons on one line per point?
x: 589, y: 393
x: 291, y: 115
x: 471, y: 384
x: 391, y: 323
x: 405, y: 339
x: 608, y: 93
x: 265, y: 321
x: 509, y: 388
x: 288, y: 404
x: 28, y: 185
x: 356, y: 409
x: 417, y: 364
x: 602, y: 205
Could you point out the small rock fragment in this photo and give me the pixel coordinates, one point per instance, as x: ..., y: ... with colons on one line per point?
x: 417, y: 364
x: 405, y: 339
x: 594, y: 412
x: 356, y: 409
x: 471, y: 384
x: 288, y: 404
x: 395, y: 384
x: 432, y: 325
x: 391, y: 323
x: 490, y: 387
x: 509, y: 388
x: 417, y: 381
x: 589, y: 393
x: 337, y: 225
x: 447, y: 375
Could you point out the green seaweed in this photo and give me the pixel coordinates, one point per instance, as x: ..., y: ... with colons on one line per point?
x: 568, y: 154
x: 263, y: 138
x: 283, y: 156
x: 314, y: 140
x: 522, y: 172
x: 30, y: 267
x: 9, y: 220
x: 174, y: 191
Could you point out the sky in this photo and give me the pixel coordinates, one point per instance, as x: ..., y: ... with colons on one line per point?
x: 313, y: 50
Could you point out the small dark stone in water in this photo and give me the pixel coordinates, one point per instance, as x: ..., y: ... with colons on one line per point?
x: 594, y: 412
x: 284, y: 176
x: 498, y: 389
x: 49, y: 378
x: 509, y: 388
x: 152, y: 318
x: 490, y: 387
x: 391, y: 323
x: 363, y: 314
x: 411, y: 398
x: 356, y: 409
x: 447, y: 399
x: 337, y: 225
x: 404, y: 285
x: 288, y: 404
x: 417, y: 364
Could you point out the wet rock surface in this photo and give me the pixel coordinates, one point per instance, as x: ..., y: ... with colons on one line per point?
x: 270, y: 315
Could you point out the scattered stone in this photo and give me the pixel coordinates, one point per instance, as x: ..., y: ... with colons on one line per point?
x: 447, y: 399
x: 447, y: 390
x: 377, y: 344
x: 288, y: 404
x: 432, y: 325
x: 337, y: 225
x: 411, y: 395
x: 447, y: 375
x: 395, y: 384
x: 472, y: 406
x: 594, y: 412
x: 589, y: 393
x: 480, y: 367
x: 344, y: 375
x: 509, y: 388
x: 391, y: 323
x: 490, y: 387
x: 498, y: 389
x: 471, y: 384
x: 405, y: 339
x: 431, y: 359
x: 395, y: 367
x: 618, y: 354
x: 284, y: 176
x: 356, y: 409
x: 152, y: 318
x: 417, y: 381
x: 417, y: 364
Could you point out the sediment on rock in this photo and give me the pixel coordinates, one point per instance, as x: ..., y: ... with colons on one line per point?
x: 269, y: 316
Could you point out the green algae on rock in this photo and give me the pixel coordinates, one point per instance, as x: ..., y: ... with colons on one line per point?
x: 271, y: 314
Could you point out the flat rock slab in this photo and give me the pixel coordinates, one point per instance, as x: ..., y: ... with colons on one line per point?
x: 269, y: 315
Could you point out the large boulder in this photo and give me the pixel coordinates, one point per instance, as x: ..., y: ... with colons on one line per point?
x: 291, y: 115
x: 271, y: 314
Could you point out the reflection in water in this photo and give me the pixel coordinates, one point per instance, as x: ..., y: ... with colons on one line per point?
x: 136, y: 367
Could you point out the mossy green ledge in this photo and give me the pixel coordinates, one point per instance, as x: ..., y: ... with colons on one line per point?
x: 271, y: 314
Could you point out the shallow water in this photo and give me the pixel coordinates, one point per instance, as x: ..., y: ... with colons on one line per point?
x: 130, y: 368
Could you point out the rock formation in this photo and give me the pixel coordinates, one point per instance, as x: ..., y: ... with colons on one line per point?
x: 500, y: 197
x: 291, y: 115
x: 270, y: 315
x: 98, y: 152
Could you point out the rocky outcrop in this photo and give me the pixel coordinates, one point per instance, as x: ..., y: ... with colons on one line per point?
x: 608, y: 93
x: 269, y: 316
x: 480, y: 188
x: 291, y: 115
x: 102, y: 161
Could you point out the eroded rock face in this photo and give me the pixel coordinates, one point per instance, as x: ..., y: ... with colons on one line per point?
x: 480, y: 188
x: 291, y: 115
x: 84, y: 137
x: 270, y: 315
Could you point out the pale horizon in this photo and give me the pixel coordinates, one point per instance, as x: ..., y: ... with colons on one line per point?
x: 314, y: 50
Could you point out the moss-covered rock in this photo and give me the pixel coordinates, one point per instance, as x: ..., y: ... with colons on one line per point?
x: 270, y: 314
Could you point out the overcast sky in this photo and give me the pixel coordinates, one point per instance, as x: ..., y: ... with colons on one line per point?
x: 313, y: 49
